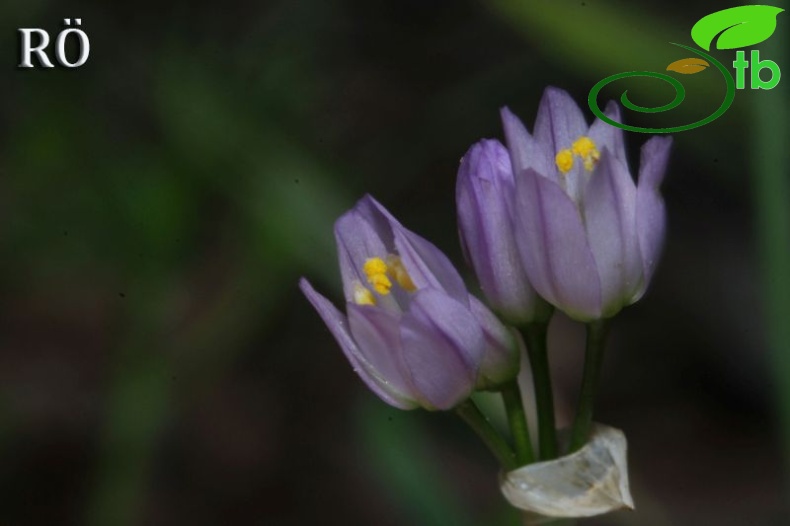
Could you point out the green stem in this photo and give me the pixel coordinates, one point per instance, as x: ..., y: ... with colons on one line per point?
x: 517, y: 418
x: 593, y: 360
x: 472, y: 415
x: 535, y: 338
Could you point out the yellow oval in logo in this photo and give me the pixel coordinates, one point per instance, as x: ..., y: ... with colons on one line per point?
x: 687, y: 66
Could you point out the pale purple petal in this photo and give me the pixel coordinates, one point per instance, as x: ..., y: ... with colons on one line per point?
x: 610, y: 219
x: 554, y: 248
x: 379, y: 218
x: 442, y: 346
x: 604, y: 135
x: 501, y: 357
x: 339, y: 327
x: 650, y: 213
x: 558, y: 125
x: 559, y: 122
x: 377, y: 334
x: 523, y: 148
x: 357, y: 240
x: 427, y: 265
x: 484, y: 190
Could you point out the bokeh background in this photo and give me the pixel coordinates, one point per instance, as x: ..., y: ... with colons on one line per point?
x: 158, y: 364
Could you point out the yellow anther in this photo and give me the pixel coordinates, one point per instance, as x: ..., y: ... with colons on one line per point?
x: 363, y: 296
x: 398, y: 272
x: 379, y: 272
x: 585, y: 148
x: 381, y: 283
x: 564, y: 160
x: 374, y: 266
x: 376, y: 271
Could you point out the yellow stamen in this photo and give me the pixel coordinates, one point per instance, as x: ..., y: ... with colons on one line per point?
x: 381, y: 283
x: 379, y: 272
x: 564, y: 160
x: 363, y: 296
x: 398, y: 272
x: 585, y: 148
x: 374, y: 266
x: 376, y: 271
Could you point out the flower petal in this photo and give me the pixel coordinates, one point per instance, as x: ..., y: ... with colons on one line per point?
x: 559, y: 122
x: 442, y: 346
x: 523, y: 148
x: 357, y: 240
x: 607, y: 136
x: 377, y: 333
x: 501, y: 357
x: 484, y: 192
x: 339, y: 327
x: 427, y: 265
x: 610, y: 220
x: 650, y: 212
x: 554, y: 248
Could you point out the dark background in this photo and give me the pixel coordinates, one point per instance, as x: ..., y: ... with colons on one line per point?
x: 158, y: 364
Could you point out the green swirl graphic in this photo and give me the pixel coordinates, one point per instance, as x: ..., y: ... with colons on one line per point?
x: 680, y: 95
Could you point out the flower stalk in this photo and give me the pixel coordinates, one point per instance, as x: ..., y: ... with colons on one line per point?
x: 517, y: 419
x: 475, y: 418
x: 593, y: 360
x: 535, y: 337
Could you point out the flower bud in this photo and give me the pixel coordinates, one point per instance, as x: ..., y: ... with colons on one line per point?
x: 484, y: 198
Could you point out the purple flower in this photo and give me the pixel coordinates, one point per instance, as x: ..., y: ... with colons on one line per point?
x: 411, y: 329
x: 588, y: 237
x: 483, y: 195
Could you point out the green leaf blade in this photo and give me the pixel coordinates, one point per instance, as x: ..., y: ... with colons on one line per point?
x: 739, y: 27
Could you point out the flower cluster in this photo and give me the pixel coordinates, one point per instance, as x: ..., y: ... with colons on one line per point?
x: 553, y: 220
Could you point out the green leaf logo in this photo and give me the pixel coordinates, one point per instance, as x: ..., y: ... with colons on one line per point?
x: 739, y: 27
